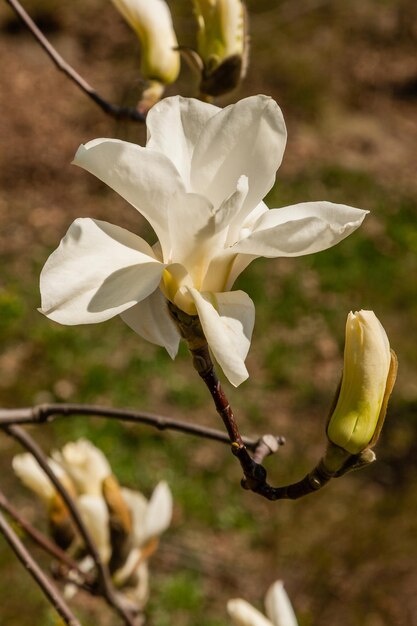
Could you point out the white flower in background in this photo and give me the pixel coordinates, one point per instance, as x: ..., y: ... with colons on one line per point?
x: 368, y: 378
x: 199, y: 182
x: 277, y: 607
x: 222, y: 43
x: 27, y: 468
x: 152, y: 22
x: 149, y: 520
x: 85, y: 464
x: 86, y: 473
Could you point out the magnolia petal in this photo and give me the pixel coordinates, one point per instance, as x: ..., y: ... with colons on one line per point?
x: 151, y: 320
x: 244, y: 614
x: 244, y: 138
x: 159, y: 513
x: 98, y: 271
x: 227, y: 320
x: 174, y: 126
x: 94, y: 513
x: 138, y: 506
x: 86, y: 465
x: 300, y: 229
x: 278, y: 606
x: 26, y: 467
x: 145, y: 178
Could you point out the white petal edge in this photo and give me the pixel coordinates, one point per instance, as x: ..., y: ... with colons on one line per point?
x: 278, y: 606
x: 145, y: 178
x: 174, y: 126
x: 246, y: 138
x: 159, y: 513
x: 244, y: 614
x: 227, y: 320
x: 98, y: 271
x: 300, y: 229
x: 150, y: 319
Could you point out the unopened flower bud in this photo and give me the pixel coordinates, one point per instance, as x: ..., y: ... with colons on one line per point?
x: 221, y: 44
x: 369, y: 373
x: 152, y: 22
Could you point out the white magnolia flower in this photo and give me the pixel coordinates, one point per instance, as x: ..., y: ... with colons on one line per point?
x: 277, y: 607
x: 32, y: 476
x: 199, y: 182
x: 152, y: 22
x: 86, y: 465
x: 368, y: 377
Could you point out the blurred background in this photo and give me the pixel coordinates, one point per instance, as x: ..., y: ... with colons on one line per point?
x: 345, y: 75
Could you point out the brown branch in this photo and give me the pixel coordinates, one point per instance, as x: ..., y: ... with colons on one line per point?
x: 115, y: 600
x: 37, y: 574
x: 38, y: 537
x: 255, y: 475
x: 116, y: 111
x: 45, y: 413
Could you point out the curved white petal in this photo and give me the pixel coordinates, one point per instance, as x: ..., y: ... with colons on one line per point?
x: 244, y: 614
x: 86, y: 465
x: 98, y: 271
x: 227, y: 320
x: 174, y: 126
x: 151, y: 320
x: 300, y: 229
x: 244, y: 138
x: 278, y: 606
x: 138, y: 506
x: 94, y: 513
x: 26, y: 467
x: 159, y: 513
x: 145, y: 178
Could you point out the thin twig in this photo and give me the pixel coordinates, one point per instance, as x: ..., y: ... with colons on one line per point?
x: 38, y: 537
x: 42, y: 413
x: 108, y: 592
x: 37, y: 574
x: 116, y: 111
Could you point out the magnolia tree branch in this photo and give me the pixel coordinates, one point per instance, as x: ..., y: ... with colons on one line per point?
x: 255, y: 475
x: 114, y: 110
x: 39, y: 538
x: 37, y: 574
x: 126, y: 610
x: 45, y: 413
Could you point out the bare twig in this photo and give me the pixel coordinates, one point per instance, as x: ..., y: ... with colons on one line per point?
x: 36, y: 572
x: 42, y: 413
x: 108, y: 592
x: 116, y: 111
x: 38, y: 537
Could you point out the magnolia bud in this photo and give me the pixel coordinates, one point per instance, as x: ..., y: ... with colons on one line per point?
x: 221, y: 44
x: 152, y: 22
x: 369, y: 374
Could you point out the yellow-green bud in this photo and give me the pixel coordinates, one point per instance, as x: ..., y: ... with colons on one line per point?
x: 369, y: 373
x: 221, y: 43
x: 152, y: 22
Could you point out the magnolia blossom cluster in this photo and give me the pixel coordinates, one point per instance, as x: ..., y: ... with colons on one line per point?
x: 123, y: 523
x: 200, y: 183
x: 279, y: 611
